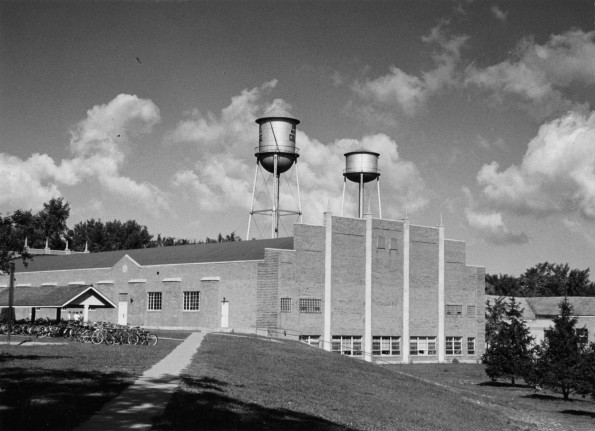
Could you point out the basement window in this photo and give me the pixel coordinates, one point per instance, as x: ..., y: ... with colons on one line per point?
x: 310, y: 305
x: 454, y: 345
x: 454, y: 310
x: 386, y: 346
x: 154, y: 301
x: 286, y: 305
x: 312, y: 340
x: 422, y: 346
x: 347, y: 345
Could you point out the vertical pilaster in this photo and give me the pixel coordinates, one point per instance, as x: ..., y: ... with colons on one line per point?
x: 441, y: 340
x: 368, y: 291
x: 328, y: 223
x: 405, y: 335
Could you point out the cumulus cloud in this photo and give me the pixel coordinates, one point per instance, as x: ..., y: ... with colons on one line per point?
x: 98, y: 146
x: 557, y: 174
x: 224, y: 175
x: 498, y: 13
x: 410, y: 92
x: 537, y: 75
x: 492, y: 228
x: 490, y: 225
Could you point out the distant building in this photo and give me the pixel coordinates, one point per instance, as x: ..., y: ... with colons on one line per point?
x: 539, y: 312
x: 354, y: 286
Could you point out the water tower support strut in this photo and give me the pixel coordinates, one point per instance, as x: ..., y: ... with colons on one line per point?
x: 343, y: 199
x: 252, y: 205
x: 361, y: 195
x: 378, y: 188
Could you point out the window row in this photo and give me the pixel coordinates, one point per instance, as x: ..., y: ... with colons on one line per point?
x: 391, y: 345
x: 392, y: 242
x: 306, y: 305
x: 191, y: 301
x: 457, y: 310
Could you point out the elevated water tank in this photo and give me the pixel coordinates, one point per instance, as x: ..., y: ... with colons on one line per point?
x: 361, y: 165
x: 277, y: 138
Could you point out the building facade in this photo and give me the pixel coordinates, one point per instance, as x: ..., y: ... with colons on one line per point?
x: 365, y: 287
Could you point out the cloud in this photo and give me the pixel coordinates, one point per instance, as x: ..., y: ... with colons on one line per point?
x: 492, y: 228
x: 490, y: 225
x: 410, y: 92
x: 557, y: 174
x: 223, y: 177
x: 236, y: 120
x: 536, y: 76
x: 499, y: 14
x: 98, y: 145
x: 578, y: 228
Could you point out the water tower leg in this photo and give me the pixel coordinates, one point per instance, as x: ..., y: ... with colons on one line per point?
x: 379, y: 205
x: 252, y: 205
x: 297, y: 180
x: 361, y: 195
x: 343, y: 198
x: 275, y: 215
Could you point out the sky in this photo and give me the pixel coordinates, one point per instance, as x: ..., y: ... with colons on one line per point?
x: 483, y: 113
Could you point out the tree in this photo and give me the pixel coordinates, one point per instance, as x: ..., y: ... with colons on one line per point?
x: 11, y: 246
x: 509, y: 351
x: 543, y: 279
x: 561, y: 358
x: 113, y: 235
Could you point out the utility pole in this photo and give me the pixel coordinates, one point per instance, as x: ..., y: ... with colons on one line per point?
x: 10, y: 299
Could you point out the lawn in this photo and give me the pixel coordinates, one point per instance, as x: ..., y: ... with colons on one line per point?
x: 58, y: 385
x: 542, y: 409
x: 248, y: 383
x: 241, y: 382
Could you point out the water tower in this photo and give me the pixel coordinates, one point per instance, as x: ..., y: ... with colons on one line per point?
x: 361, y: 167
x: 276, y: 154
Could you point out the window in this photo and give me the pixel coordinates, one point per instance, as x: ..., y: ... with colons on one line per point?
x: 386, y: 346
x: 380, y: 242
x: 393, y: 244
x: 191, y: 301
x: 310, y: 305
x: 454, y: 345
x: 471, y: 346
x: 454, y: 310
x: 583, y: 335
x: 470, y: 310
x: 422, y: 346
x: 285, y: 305
x: 347, y: 345
x: 154, y: 302
x: 312, y: 340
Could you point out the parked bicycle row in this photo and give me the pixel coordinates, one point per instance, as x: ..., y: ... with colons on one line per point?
x: 96, y: 333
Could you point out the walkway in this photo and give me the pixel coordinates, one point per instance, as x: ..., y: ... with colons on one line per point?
x: 146, y: 398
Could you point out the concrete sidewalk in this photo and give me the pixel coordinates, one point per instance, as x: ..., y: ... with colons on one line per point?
x: 146, y: 398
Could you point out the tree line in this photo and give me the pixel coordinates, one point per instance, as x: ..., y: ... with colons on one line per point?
x: 563, y: 362
x: 543, y: 279
x: 50, y: 225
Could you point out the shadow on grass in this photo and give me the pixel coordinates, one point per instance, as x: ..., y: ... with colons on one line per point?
x: 35, y: 399
x: 504, y: 385
x: 544, y: 397
x: 196, y: 406
x: 579, y: 413
x: 7, y: 357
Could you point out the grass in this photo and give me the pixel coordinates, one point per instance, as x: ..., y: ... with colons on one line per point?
x: 239, y: 382
x: 249, y: 383
x: 521, y: 403
x: 57, y: 386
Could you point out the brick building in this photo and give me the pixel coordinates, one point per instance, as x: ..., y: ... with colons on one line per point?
x: 354, y: 286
